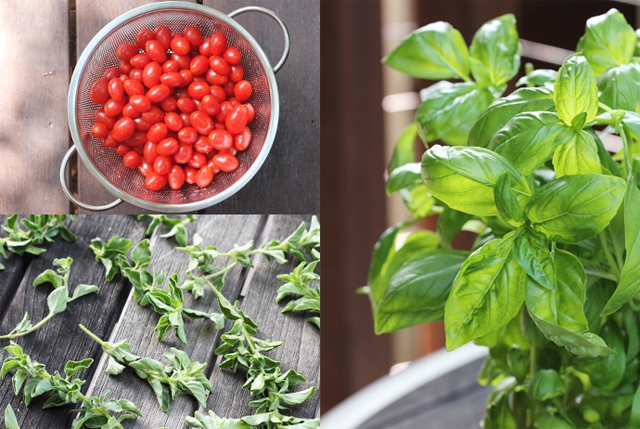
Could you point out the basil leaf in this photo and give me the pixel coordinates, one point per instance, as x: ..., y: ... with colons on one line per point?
x: 498, y: 114
x: 575, y: 90
x: 383, y: 251
x: 634, y: 421
x: 559, y: 312
x: 404, y: 150
x: 532, y: 253
x: 463, y: 178
x: 620, y: 87
x: 449, y: 224
x: 405, y: 176
x: 606, y: 161
x: 529, y: 139
x: 57, y: 300
x: 629, y: 284
x: 608, y: 41
x: 506, y: 201
x: 435, y: 51
x: 487, y: 293
x: 545, y: 420
x: 449, y: 110
x: 495, y: 52
x: 418, y: 290
x: 417, y: 200
x: 578, y: 156
x: 574, y: 208
x: 538, y: 77
x: 631, y: 124
x: 546, y: 384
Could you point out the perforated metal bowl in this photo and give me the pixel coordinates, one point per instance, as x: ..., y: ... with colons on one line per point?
x: 107, y: 167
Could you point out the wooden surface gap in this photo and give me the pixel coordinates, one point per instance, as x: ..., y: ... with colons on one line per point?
x: 16, y: 267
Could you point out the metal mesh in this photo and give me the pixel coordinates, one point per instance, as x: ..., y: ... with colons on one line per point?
x: 108, y: 164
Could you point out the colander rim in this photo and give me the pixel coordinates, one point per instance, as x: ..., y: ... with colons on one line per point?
x: 73, y: 99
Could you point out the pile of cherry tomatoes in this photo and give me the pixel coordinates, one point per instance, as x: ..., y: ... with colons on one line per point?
x: 175, y: 107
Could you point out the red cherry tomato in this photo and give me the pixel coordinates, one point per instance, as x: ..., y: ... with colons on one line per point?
x: 176, y: 177
x: 124, y: 66
x: 228, y: 89
x: 193, y: 35
x: 186, y: 121
x: 163, y: 35
x: 221, y: 139
x: 137, y: 140
x: 232, y: 55
x: 155, y: 181
x: 136, y: 74
x: 197, y: 160
x: 184, y: 154
x: 157, y: 132
x: 173, y: 121
x: 234, y: 101
x: 167, y: 147
x: 242, y: 140
x: 197, y: 90
x: 141, y: 125
x: 236, y: 120
x: 99, y: 93
x: 126, y: 51
x: 190, y: 174
x: 225, y: 108
x: 236, y: 73
x: 143, y: 37
x: 162, y: 164
x: 170, y: 66
x: 131, y: 159
x: 140, y: 103
x: 172, y: 79
x: 203, y: 145
x: 183, y: 61
x: 140, y: 61
x: 243, y: 90
x: 151, y: 74
x: 149, y: 151
x: 99, y: 131
x: 110, y: 142
x: 130, y: 112
x: 122, y: 148
x: 180, y: 45
x: 188, y: 135
x: 133, y: 87
x: 113, y: 108
x: 251, y: 113
x: 219, y: 65
x: 210, y: 105
x: 204, y: 176
x: 186, y: 104
x: 225, y: 162
x: 218, y: 44
x: 187, y: 77
x: 153, y: 115
x: 104, y: 119
x: 205, y: 47
x: 201, y: 122
x: 158, y: 93
x: 111, y: 72
x: 215, y: 79
x: 199, y: 64
x: 169, y: 104
x: 218, y: 93
x: 116, y: 89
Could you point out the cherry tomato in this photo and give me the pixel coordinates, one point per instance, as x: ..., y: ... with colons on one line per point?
x: 205, y: 47
x: 218, y: 93
x: 99, y: 131
x: 251, y: 113
x: 188, y: 135
x: 204, y: 176
x: 219, y: 65
x: 110, y: 142
x: 236, y: 73
x: 234, y: 101
x: 218, y: 44
x: 136, y: 74
x: 180, y: 45
x: 186, y: 104
x: 173, y: 121
x: 116, y: 89
x: 193, y: 35
x: 122, y: 148
x: 170, y: 66
x: 214, y: 78
x: 99, y: 93
x: 153, y: 115
x: 140, y: 103
x: 143, y: 37
x: 186, y: 121
x: 155, y: 51
x: 169, y: 104
x: 163, y: 35
x: 124, y: 66
x: 113, y: 108
x: 236, y: 120
x: 197, y: 90
x: 167, y: 147
x: 228, y: 88
x: 190, y: 174
x: 155, y: 181
x: 123, y: 129
x: 203, y: 145
x: 176, y: 177
x: 104, y: 119
x: 162, y: 164
x: 225, y: 108
x: 139, y: 61
x: 197, y: 160
x: 151, y: 74
x: 149, y: 151
x: 141, y: 125
x: 138, y: 139
x: 201, y: 122
x: 218, y: 125
x: 184, y: 154
x: 158, y: 93
x: 225, y: 162
x: 241, y: 140
x: 232, y: 55
x: 130, y: 112
x: 111, y: 72
x: 187, y: 76
x: 172, y: 79
x: 243, y: 90
x: 199, y: 64
x: 144, y: 168
x: 183, y: 61
x: 131, y: 159
x: 133, y: 87
x: 157, y: 132
x: 221, y: 139
x: 210, y: 105
x: 126, y: 51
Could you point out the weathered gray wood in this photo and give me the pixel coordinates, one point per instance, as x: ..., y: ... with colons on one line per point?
x: 136, y: 323
x: 33, y: 124
x: 454, y: 400
x: 60, y: 339
x: 289, y: 180
x: 301, y: 348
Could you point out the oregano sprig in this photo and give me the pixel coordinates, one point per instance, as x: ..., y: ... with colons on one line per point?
x: 181, y: 376
x: 10, y: 420
x: 57, y: 300
x: 270, y: 420
x: 300, y: 282
x: 177, y: 227
x: 94, y: 411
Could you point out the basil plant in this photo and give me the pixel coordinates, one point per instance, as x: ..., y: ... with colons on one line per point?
x: 552, y: 283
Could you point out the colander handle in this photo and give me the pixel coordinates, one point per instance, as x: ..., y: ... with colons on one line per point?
x: 272, y: 14
x: 67, y: 192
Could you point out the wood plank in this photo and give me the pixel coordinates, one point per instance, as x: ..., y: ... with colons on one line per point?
x: 289, y: 180
x: 91, y: 17
x: 136, y: 323
x: 60, y: 339
x: 34, y: 134
x: 301, y: 348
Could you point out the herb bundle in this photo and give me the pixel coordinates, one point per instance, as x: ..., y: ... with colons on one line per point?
x: 552, y: 283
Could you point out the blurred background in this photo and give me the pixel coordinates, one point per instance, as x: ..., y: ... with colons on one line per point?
x: 364, y: 107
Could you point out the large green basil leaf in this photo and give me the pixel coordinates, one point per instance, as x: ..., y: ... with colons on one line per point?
x: 620, y: 87
x: 449, y: 224
x: 608, y: 371
x: 435, y: 51
x: 629, y: 285
x: 577, y: 156
x: 608, y: 41
x: 449, y: 110
x: 418, y: 290
x: 506, y: 201
x: 383, y: 251
x: 486, y: 294
x: 538, y: 77
x: 546, y: 384
x: 404, y: 153
x: 559, y: 312
x: 531, y: 251
x: 495, y: 52
x: 417, y: 200
x: 529, y: 139
x: 405, y: 176
x: 575, y: 90
x: 502, y: 110
x: 573, y: 208
x: 631, y: 124
x: 464, y: 177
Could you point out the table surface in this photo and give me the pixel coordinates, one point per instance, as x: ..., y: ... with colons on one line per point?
x: 34, y: 134
x: 112, y: 314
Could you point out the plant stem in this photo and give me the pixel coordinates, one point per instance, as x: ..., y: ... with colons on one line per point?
x: 93, y: 336
x: 627, y: 156
x: 30, y: 330
x: 605, y: 107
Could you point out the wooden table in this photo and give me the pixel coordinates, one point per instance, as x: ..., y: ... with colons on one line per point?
x: 47, y: 36
x: 112, y: 314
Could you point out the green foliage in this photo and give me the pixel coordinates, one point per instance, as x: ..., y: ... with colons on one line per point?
x: 552, y: 284
x: 177, y: 227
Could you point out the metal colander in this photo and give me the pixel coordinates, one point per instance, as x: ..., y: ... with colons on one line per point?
x: 105, y: 165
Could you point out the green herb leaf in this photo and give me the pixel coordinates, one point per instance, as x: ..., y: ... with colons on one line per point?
x: 10, y: 420
x: 577, y: 156
x: 82, y: 290
x: 506, y: 201
x: 57, y: 300
x: 620, y: 87
x: 404, y: 153
x: 405, y: 176
x: 73, y: 367
x: 538, y: 77
x: 575, y: 90
x: 546, y: 384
